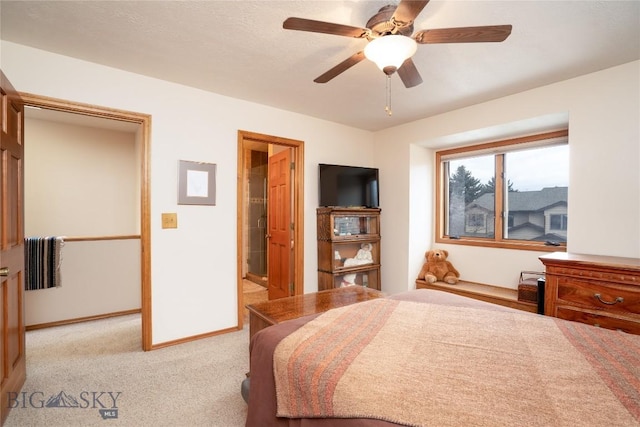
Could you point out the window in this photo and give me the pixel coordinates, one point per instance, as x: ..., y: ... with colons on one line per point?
x: 558, y: 222
x: 524, y: 180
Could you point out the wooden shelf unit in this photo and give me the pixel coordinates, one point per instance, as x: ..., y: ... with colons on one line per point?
x: 342, y: 233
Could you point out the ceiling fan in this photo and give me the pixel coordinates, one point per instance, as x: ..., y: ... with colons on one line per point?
x: 391, y: 39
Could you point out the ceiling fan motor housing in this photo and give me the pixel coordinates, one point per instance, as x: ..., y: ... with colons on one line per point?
x: 381, y: 23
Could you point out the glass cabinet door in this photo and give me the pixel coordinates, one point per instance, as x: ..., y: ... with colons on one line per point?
x: 366, y: 278
x: 355, y: 254
x: 352, y: 226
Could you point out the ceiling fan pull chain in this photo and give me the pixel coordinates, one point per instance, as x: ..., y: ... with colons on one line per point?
x: 387, y: 108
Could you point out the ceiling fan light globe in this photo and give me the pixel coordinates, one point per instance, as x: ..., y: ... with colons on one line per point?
x: 390, y: 51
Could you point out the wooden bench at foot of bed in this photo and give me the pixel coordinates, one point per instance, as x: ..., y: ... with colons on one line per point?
x: 494, y: 294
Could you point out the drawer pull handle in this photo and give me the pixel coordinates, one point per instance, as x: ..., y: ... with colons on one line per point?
x: 599, y: 298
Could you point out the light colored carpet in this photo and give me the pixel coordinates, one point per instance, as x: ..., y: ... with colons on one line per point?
x: 193, y: 384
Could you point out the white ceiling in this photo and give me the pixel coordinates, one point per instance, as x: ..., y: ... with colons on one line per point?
x: 239, y: 49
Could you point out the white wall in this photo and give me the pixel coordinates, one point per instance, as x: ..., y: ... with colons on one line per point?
x: 79, y: 181
x: 98, y: 277
x: 602, y: 110
x: 193, y: 267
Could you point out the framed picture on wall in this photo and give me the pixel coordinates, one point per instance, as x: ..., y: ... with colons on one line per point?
x: 196, y: 183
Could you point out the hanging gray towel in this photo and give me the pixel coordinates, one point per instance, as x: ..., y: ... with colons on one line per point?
x: 42, y: 257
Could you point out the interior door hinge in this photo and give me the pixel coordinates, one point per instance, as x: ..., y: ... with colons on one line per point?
x: 291, y: 226
x: 290, y: 288
x: 293, y: 165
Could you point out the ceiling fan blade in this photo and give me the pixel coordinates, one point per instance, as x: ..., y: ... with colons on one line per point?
x: 407, y: 11
x: 490, y: 33
x: 301, y: 24
x: 409, y: 74
x: 341, y: 67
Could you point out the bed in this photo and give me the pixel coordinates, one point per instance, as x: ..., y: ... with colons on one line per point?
x: 427, y: 357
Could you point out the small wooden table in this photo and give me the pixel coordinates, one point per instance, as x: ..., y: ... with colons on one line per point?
x: 272, y: 312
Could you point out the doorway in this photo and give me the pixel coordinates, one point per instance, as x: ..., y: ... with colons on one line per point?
x: 253, y: 218
x: 143, y: 123
x: 256, y: 168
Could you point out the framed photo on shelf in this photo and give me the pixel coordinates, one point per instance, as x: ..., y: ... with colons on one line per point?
x: 196, y: 183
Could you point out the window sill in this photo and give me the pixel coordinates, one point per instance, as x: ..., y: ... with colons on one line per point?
x: 517, y: 245
x: 493, y: 294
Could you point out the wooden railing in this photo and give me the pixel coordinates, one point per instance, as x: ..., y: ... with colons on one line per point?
x: 96, y: 238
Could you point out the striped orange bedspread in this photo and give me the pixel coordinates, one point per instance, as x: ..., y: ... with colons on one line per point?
x: 427, y: 364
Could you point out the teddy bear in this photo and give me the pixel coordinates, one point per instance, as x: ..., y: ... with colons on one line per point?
x: 437, y: 268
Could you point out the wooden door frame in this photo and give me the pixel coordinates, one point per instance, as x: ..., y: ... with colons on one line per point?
x: 144, y: 120
x: 244, y: 138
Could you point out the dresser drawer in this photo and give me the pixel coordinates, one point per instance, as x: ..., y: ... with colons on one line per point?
x: 602, y: 320
x: 595, y: 289
x: 599, y: 296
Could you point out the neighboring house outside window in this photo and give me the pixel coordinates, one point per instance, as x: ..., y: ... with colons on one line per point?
x: 524, y: 179
x: 476, y: 222
x: 533, y: 215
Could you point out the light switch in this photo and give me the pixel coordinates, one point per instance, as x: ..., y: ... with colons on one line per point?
x: 169, y: 220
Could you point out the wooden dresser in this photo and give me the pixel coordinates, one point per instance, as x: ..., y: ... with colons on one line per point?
x: 598, y: 290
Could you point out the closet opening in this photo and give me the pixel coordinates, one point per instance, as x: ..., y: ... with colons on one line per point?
x: 86, y: 179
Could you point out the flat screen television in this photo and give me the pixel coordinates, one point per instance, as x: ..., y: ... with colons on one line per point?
x: 348, y: 186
